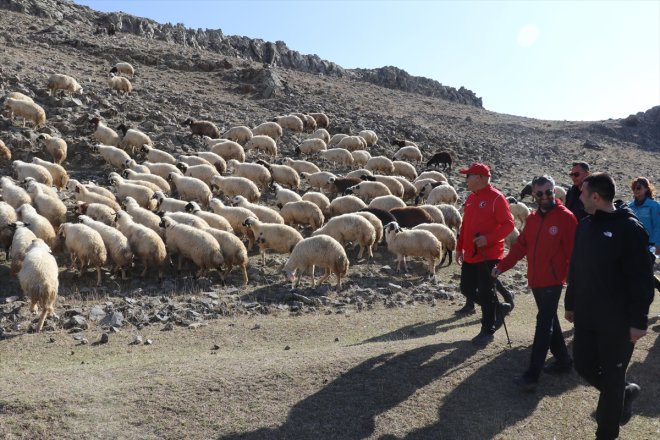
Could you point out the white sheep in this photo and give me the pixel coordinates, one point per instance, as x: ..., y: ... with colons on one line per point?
x: 7, y: 217
x: 316, y: 180
x: 387, y: 202
x: 270, y: 129
x: 311, y: 146
x: 344, y: 205
x: 50, y: 190
x: 263, y: 143
x: 120, y: 84
x: 321, y: 119
x: 146, y: 244
x: 376, y: 223
x: 317, y: 198
x: 336, y: 138
x: 229, y: 150
x: 55, y: 147
x: 97, y: 211
x: 380, y: 164
x: 214, y: 220
x: 133, y: 138
x: 104, y: 134
x: 284, y: 196
x: 133, y: 165
x: 39, y: 173
x: 321, y: 133
x: 404, y: 169
x: 392, y: 183
x: 236, y: 186
x: 46, y: 205
x: 257, y: 173
x: 435, y: 213
x: 147, y: 177
x: 84, y: 245
x: 214, y: 159
x: 5, y: 152
x: 444, y: 235
x: 195, y: 244
x: 123, y: 68
x: 282, y: 174
x: 152, y: 154
x: 435, y: 175
x: 369, y: 136
x: 38, y: 278
x: 168, y: 204
x: 124, y: 188
x: 353, y: 228
x: 142, y: 216
x: 301, y: 166
x: 115, y: 157
x: 204, y: 172
x: 339, y: 156
x: 13, y: 194
x: 322, y: 251
x: 20, y: 242
x: 57, y: 172
x: 233, y: 250
x: 37, y: 223
x: 302, y: 212
x: 409, y: 191
x: 191, y: 189
x: 421, y: 186
x: 66, y: 83
x: 409, y: 154
x: 240, y: 134
x: 359, y: 173
x: 20, y: 96
x: 280, y: 238
x: 28, y: 111
x: 360, y: 157
x: 368, y: 190
x: 194, y: 160
x: 442, y: 194
x: 309, y: 124
x: 519, y: 210
x: 412, y: 243
x: 116, y: 243
x: 235, y: 215
x: 290, y: 122
x: 352, y: 143
x: 162, y: 169
x: 263, y: 213
x: 83, y: 194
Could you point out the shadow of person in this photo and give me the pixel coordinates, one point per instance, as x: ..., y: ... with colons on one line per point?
x: 347, y: 407
x: 421, y: 330
x: 645, y: 374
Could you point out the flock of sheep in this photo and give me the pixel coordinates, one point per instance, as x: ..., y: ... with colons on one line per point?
x: 220, y: 210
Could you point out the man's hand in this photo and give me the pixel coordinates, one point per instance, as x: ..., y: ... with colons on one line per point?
x: 480, y: 241
x: 495, y: 272
x: 569, y: 316
x: 636, y: 334
x: 459, y: 257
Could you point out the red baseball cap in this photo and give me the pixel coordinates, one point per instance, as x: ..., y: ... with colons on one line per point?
x: 477, y: 168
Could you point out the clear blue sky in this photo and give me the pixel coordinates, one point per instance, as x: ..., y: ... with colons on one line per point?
x: 573, y: 60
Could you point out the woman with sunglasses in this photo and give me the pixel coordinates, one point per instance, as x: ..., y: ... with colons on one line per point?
x: 646, y: 209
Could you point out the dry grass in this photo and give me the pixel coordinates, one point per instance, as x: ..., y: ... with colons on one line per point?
x: 391, y: 373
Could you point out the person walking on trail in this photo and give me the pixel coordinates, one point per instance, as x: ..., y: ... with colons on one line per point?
x: 578, y: 173
x: 487, y: 220
x: 646, y: 209
x: 547, y: 242
x: 610, y: 289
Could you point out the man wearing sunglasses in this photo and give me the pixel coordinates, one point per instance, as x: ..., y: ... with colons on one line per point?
x: 578, y: 173
x: 547, y: 242
x: 487, y: 220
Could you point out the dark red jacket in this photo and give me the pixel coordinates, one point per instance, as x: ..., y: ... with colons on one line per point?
x: 485, y: 212
x: 547, y: 242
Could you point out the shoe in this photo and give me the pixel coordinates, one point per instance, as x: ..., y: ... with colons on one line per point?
x: 631, y: 393
x: 557, y: 367
x: 502, y: 309
x: 507, y: 295
x: 524, y: 383
x: 483, y: 339
x: 467, y: 309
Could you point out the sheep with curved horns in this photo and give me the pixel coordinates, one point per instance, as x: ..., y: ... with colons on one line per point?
x: 322, y: 251
x: 39, y: 281
x: 412, y: 243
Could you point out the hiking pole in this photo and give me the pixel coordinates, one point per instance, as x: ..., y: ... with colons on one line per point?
x: 496, y: 302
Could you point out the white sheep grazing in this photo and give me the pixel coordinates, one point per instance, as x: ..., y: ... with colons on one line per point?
x: 55, y: 147
x: 146, y: 245
x: 409, y: 154
x: 380, y: 164
x: 263, y: 143
x: 195, y: 244
x: 194, y: 160
x: 452, y: 216
x: 409, y: 191
x: 302, y: 212
x: 116, y: 244
x: 352, y: 143
x: 404, y: 169
x: 66, y: 83
x: 46, y: 205
x: 290, y: 122
x: 204, y: 172
x: 229, y: 150
x: 24, y: 170
x: 510, y: 239
x: 235, y: 215
x: 236, y: 186
x: 270, y: 129
x: 123, y: 68
x: 392, y: 183
x: 168, y: 204
x: 359, y: 173
x: 142, y: 216
x: 214, y: 220
x: 57, y: 172
x: 7, y: 217
x: 83, y: 194
x: 13, y: 194
x: 240, y: 134
x: 369, y: 136
x: 5, y: 152
x: 368, y: 190
x: 97, y: 211
x: 360, y: 157
x: 322, y: 251
x: 115, y: 157
x: 311, y: 146
x: 317, y: 198
x: 282, y: 174
x: 278, y: 237
x: 20, y: 242
x: 28, y: 111
x: 316, y: 180
x: 412, y: 243
x: 321, y: 119
x: 442, y: 194
x: 259, y: 174
x: 104, y: 134
x: 344, y: 205
x: 421, y: 186
x: 133, y: 165
x: 309, y: 124
x: 186, y: 218
x: 124, y: 188
x: 444, y: 235
x: 353, y: 228
x: 162, y: 169
x: 214, y: 159
x: 339, y: 156
x: 284, y: 196
x: 37, y: 223
x: 376, y: 223
x: 387, y: 202
x: 120, y: 84
x: 301, y: 166
x: 263, y: 213
x: 152, y: 154
x: 321, y: 133
x: 519, y: 210
x: 50, y: 190
x: 435, y: 213
x: 133, y: 138
x: 147, y: 177
x: 336, y: 138
x: 84, y: 245
x: 38, y: 278
x: 19, y: 96
x: 435, y: 175
x: 233, y: 250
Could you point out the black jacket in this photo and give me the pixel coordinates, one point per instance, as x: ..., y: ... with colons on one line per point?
x: 574, y: 203
x: 610, y: 279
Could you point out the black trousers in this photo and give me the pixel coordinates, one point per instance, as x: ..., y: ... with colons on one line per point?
x: 478, y: 286
x: 601, y: 358
x: 548, y: 334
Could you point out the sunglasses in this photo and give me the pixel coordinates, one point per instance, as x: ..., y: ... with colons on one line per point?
x: 548, y: 193
x: 574, y: 174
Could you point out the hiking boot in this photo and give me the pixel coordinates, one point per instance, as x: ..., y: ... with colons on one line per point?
x: 525, y: 384
x: 501, y: 310
x: 557, y: 367
x: 507, y: 295
x: 631, y: 393
x: 483, y: 339
x: 467, y: 309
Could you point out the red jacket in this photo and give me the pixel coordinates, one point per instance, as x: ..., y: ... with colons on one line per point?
x: 485, y: 212
x: 547, y: 242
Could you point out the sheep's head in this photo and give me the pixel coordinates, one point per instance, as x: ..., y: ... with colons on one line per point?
x: 511, y: 200
x: 297, y: 151
x: 113, y: 70
x: 61, y: 231
x: 368, y: 177
x: 94, y: 121
x: 249, y: 221
x: 192, y: 207
x: 332, y: 180
x: 236, y: 200
x: 392, y: 227
x: 188, y: 122
x: 95, y: 148
x: 170, y: 177
x: 290, y: 276
x: 123, y: 128
x: 182, y: 166
x: 127, y: 163
x: 165, y: 222
x: 352, y: 189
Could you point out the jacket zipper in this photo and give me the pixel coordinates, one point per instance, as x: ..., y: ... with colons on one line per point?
x: 536, y: 242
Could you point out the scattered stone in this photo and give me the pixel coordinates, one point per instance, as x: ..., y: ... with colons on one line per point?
x: 137, y: 340
x: 148, y: 342
x: 115, y: 319
x: 84, y: 341
x: 287, y: 348
x: 11, y: 299
x: 216, y: 347
x: 104, y: 338
x: 96, y: 313
x: 167, y: 327
x: 77, y: 323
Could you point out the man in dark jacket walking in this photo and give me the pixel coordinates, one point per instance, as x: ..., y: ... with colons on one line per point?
x: 578, y: 173
x: 610, y: 289
x: 547, y: 242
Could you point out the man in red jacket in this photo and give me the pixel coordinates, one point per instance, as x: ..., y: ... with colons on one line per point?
x: 487, y: 220
x: 547, y: 242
